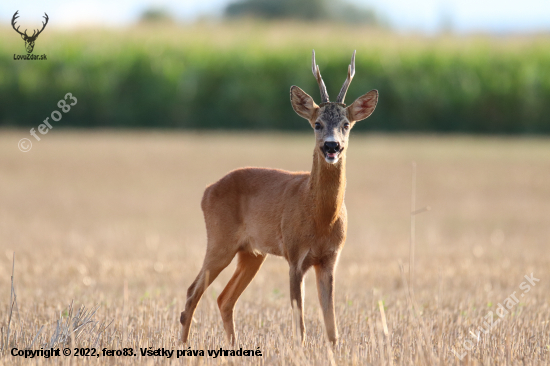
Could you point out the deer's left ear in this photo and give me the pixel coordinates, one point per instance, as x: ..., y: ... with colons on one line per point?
x: 363, y: 106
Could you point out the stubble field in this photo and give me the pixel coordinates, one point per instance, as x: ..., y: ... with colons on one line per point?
x: 113, y: 219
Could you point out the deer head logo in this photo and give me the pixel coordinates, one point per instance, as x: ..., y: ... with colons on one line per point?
x: 29, y: 40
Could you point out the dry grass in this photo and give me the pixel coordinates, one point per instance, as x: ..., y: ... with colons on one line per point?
x: 88, y: 212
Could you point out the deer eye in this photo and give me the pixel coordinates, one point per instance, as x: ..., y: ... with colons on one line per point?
x: 346, y: 126
x: 318, y: 126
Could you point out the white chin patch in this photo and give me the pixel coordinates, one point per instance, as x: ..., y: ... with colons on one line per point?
x: 332, y: 158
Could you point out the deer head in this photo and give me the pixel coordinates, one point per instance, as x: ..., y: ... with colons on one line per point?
x: 332, y: 121
x: 29, y: 40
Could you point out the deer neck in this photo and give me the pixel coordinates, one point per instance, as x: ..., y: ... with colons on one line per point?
x: 327, y: 185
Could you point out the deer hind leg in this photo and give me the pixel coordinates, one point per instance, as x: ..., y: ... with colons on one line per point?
x: 247, y: 266
x: 214, y: 263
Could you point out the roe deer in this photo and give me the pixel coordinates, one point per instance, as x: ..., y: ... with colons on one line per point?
x: 301, y: 216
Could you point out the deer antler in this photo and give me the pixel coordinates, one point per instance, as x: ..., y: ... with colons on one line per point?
x: 43, y: 26
x: 351, y: 73
x: 317, y: 74
x: 15, y: 16
x: 34, y: 34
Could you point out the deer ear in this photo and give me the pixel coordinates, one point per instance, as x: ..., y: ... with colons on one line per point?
x: 302, y: 103
x: 363, y: 106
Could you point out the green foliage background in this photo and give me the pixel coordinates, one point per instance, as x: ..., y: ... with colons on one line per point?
x: 238, y: 76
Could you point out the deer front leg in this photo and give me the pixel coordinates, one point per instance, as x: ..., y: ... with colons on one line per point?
x: 325, y: 290
x: 297, y: 298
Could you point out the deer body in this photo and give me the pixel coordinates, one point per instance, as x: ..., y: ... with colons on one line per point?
x: 301, y: 216
x: 268, y: 210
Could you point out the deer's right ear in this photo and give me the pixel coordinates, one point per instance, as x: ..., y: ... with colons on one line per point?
x: 302, y: 103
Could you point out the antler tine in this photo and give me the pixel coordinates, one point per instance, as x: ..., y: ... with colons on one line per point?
x: 15, y: 16
x: 43, y: 24
x: 351, y: 73
x: 317, y: 74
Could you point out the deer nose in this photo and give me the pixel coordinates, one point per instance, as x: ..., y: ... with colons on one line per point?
x: 332, y: 146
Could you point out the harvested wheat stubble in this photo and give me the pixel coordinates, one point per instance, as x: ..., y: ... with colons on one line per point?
x: 87, y: 212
